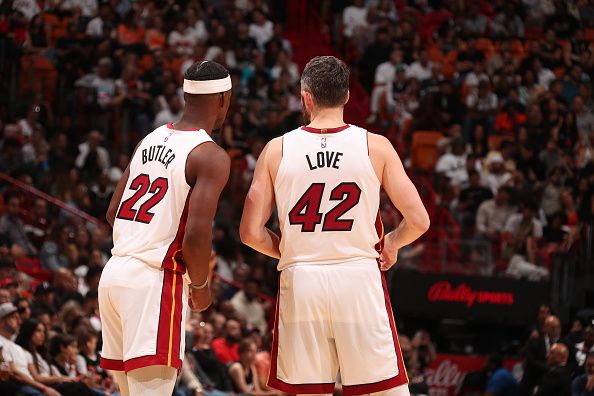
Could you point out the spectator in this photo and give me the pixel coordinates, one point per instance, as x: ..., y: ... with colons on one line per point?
x: 226, y: 348
x: 92, y: 158
x: 247, y: 306
x: 501, y: 382
x: 586, y: 347
x: 14, y: 229
x: 497, y: 175
x: 470, y: 199
x: 537, y: 351
x: 557, y: 380
x: 583, y: 385
x: 206, y: 357
x: 493, y: 214
x: 16, y: 357
x: 172, y: 113
x: 261, y: 29
x: 32, y: 339
x: 100, y: 24
x: 421, y: 69
x: 584, y: 119
x: 243, y: 372
x: 453, y: 164
x: 522, y: 232
x: 354, y: 19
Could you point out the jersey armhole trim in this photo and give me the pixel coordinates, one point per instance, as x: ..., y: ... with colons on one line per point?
x: 188, y: 157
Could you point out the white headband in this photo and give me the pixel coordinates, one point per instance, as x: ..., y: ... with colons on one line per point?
x: 208, y: 86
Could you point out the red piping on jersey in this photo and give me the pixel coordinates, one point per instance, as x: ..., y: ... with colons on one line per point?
x: 325, y: 130
x: 170, y: 126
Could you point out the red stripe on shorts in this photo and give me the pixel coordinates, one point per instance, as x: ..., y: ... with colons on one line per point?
x: 273, y: 380
x: 398, y: 380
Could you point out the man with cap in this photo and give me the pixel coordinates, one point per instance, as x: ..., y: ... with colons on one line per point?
x: 15, y: 356
x: 162, y: 212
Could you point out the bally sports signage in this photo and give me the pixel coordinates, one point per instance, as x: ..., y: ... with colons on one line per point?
x: 467, y: 296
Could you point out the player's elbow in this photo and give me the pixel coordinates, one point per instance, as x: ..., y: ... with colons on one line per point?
x: 421, y: 222
x: 246, y: 234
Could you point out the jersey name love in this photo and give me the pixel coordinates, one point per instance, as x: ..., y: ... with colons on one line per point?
x: 324, y: 159
x: 157, y: 153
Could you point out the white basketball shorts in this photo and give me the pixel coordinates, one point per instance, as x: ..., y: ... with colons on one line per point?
x: 142, y: 313
x: 330, y: 318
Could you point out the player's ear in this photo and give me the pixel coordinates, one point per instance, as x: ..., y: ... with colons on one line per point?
x: 348, y: 96
x: 307, y: 99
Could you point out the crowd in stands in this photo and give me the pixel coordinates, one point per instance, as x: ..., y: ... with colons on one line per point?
x: 491, y: 98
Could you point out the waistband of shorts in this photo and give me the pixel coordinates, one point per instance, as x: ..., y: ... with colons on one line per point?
x: 357, y: 262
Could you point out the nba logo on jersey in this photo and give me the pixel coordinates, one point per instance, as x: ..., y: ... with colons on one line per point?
x: 323, y: 143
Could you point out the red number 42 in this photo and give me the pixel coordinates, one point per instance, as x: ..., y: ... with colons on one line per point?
x: 306, y: 211
x: 142, y: 185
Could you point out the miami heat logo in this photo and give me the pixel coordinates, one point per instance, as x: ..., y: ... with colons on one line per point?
x: 323, y: 142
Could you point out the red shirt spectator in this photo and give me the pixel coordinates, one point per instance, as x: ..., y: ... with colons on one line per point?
x: 227, y: 348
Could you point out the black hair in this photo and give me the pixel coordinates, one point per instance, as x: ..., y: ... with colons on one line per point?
x: 206, y: 70
x: 59, y: 341
x: 26, y: 331
x: 496, y: 360
x: 327, y: 79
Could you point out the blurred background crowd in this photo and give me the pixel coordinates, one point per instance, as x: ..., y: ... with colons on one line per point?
x: 489, y: 103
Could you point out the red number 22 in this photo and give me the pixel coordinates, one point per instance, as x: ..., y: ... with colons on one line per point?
x: 142, y: 184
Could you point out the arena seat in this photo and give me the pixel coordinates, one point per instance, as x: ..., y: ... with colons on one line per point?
x: 424, y: 152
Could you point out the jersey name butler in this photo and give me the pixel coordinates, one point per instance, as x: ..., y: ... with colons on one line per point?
x: 159, y: 153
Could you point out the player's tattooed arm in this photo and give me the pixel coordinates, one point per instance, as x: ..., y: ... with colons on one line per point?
x: 260, y: 202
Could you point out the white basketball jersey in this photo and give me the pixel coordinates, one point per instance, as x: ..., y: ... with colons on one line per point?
x: 150, y: 221
x: 327, y: 196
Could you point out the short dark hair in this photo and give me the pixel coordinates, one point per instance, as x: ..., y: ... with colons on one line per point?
x: 327, y: 79
x: 206, y: 70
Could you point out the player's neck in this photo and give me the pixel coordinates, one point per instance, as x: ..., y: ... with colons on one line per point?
x: 189, y: 123
x: 327, y: 118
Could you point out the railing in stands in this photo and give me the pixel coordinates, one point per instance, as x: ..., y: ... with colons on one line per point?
x: 54, y: 201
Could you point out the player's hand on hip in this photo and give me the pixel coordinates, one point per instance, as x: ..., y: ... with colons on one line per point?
x: 388, y: 258
x: 200, y: 299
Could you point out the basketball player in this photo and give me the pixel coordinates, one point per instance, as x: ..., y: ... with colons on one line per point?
x: 162, y: 212
x: 333, y: 312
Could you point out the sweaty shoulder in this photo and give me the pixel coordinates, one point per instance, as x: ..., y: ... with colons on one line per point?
x: 380, y: 148
x: 207, y: 158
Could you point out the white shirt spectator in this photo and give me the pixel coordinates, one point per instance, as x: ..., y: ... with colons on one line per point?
x: 165, y: 116
x: 84, y: 150
x: 199, y: 32
x: 580, y: 354
x: 182, y: 42
x: 88, y: 8
x: 454, y: 167
x: 485, y: 103
x: 494, y: 182
x: 95, y: 27
x: 545, y: 76
x: 353, y: 18
x: 472, y: 79
x: 514, y: 221
x: 385, y: 73
x: 13, y: 353
x: 261, y: 33
x: 492, y: 218
x: 251, y: 311
x: 28, y: 8
x: 419, y: 71
x: 291, y: 68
